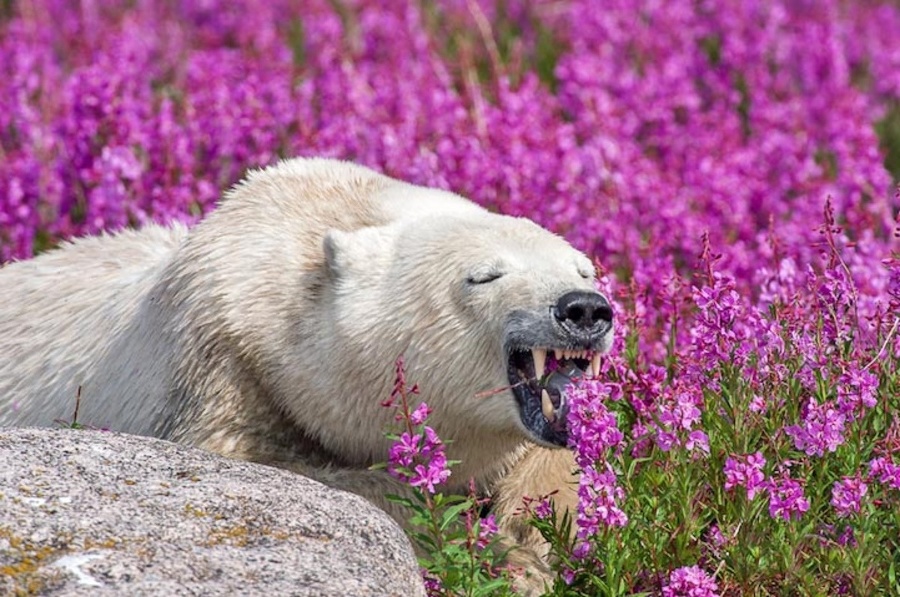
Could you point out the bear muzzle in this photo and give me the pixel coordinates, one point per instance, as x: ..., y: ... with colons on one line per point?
x: 549, y: 350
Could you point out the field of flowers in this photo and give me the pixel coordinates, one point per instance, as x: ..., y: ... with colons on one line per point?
x: 731, y: 165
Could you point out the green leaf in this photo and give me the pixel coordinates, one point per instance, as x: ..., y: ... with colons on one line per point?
x: 452, y: 513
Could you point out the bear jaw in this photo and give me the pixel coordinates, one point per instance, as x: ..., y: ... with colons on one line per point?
x: 542, y: 359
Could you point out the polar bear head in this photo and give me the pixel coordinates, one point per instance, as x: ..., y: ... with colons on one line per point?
x: 481, y: 306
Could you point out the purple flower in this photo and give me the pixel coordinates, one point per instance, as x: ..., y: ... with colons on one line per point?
x: 433, y: 585
x: 885, y: 472
x: 746, y: 471
x: 847, y: 537
x: 593, y: 432
x: 758, y: 405
x: 404, y: 450
x: 847, y: 495
x: 690, y: 581
x: 697, y: 440
x: 599, y: 496
x: 487, y: 528
x: 786, y: 499
x: 856, y: 391
x: 420, y: 414
x: 715, y: 537
x: 543, y: 510
x: 821, y: 429
x: 581, y: 550
x: 419, y: 459
x: 428, y: 475
x: 593, y: 429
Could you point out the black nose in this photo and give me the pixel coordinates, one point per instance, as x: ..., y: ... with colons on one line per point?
x: 582, y: 309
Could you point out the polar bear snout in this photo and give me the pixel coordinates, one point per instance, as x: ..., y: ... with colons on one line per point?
x: 583, y: 311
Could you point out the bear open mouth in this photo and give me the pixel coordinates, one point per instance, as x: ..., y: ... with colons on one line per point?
x: 538, y: 377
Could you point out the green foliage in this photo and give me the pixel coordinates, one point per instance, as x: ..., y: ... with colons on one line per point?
x: 446, y: 531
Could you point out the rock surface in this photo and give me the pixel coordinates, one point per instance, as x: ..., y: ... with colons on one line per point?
x: 99, y: 513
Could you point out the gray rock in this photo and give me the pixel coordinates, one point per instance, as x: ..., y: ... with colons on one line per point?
x: 99, y: 513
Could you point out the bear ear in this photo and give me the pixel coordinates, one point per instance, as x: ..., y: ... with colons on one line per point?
x: 355, y: 250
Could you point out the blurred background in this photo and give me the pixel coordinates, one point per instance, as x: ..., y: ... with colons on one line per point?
x: 629, y: 126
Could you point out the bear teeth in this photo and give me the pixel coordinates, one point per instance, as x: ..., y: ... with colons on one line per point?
x: 595, y: 365
x: 540, y: 360
x: 547, y: 407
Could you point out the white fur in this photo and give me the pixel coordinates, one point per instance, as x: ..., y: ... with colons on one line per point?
x: 269, y: 331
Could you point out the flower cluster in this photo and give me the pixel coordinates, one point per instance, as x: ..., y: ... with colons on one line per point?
x: 847, y: 495
x: 786, y: 498
x: 746, y: 472
x: 885, y: 472
x: 690, y: 581
x: 821, y: 429
x: 593, y: 432
x: 419, y: 459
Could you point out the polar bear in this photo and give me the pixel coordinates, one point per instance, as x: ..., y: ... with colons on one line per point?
x: 269, y: 331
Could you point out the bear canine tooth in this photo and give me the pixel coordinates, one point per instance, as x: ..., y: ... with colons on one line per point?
x: 595, y: 364
x: 540, y: 359
x: 547, y: 407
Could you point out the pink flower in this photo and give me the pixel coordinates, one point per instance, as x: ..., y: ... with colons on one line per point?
x: 847, y: 495
x: 690, y: 581
x: 593, y: 429
x: 419, y: 460
x: 758, y: 404
x: 746, y: 471
x: 404, y: 450
x: 885, y: 472
x: 433, y: 585
x: 599, y: 496
x: 487, y: 528
x: 418, y: 416
x: 543, y: 510
x: 786, y: 499
x: 856, y: 391
x: 820, y: 430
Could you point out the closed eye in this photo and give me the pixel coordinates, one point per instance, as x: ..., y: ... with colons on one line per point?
x: 484, y: 277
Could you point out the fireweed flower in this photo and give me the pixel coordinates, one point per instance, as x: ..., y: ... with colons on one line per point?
x: 821, y: 429
x: 715, y: 537
x: 593, y: 432
x: 593, y: 429
x: 690, y: 581
x: 847, y: 495
x: 418, y: 416
x: 885, y: 472
x: 746, y: 471
x: 678, y: 414
x: 486, y: 530
x: 433, y: 586
x: 419, y: 459
x: 758, y: 405
x: 712, y: 333
x: 543, y: 510
x: 856, y: 391
x: 697, y: 441
x: 598, y: 497
x: 404, y: 450
x: 786, y: 499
